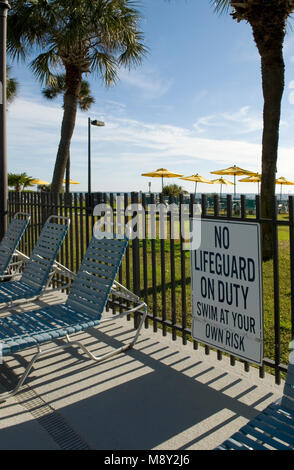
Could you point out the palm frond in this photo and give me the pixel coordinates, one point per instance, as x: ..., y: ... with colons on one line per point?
x: 221, y: 6
x: 43, y: 66
x: 12, y: 86
x: 106, y: 65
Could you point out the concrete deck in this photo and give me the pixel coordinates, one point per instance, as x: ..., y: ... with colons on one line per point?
x: 159, y: 396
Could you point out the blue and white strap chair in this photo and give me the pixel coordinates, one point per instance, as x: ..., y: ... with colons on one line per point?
x: 38, y: 272
x: 9, y: 244
x: 273, y: 428
x: 82, y: 310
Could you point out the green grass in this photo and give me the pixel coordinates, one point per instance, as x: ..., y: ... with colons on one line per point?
x: 173, y: 300
x: 165, y: 292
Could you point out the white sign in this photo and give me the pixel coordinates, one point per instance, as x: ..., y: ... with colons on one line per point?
x: 226, y: 285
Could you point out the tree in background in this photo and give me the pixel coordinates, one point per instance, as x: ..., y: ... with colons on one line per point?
x: 58, y: 87
x: 267, y: 19
x: 12, y: 86
x: 173, y: 190
x: 75, y: 37
x: 19, y: 181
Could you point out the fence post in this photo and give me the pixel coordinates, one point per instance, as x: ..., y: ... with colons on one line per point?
x: 136, y: 259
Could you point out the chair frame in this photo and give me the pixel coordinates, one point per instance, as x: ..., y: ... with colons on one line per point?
x: 56, y: 268
x: 16, y: 265
x: 274, y: 426
x: 72, y: 342
x: 116, y: 290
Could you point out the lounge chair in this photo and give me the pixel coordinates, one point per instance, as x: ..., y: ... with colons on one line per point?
x: 273, y: 428
x: 82, y: 310
x: 9, y: 244
x: 38, y: 272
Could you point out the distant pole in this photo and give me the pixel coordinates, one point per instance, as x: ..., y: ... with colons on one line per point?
x: 89, y: 158
x: 4, y: 6
x: 97, y: 123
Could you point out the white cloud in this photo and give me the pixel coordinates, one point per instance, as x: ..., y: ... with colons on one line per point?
x: 291, y: 94
x: 237, y: 123
x: 147, y: 82
x: 125, y: 147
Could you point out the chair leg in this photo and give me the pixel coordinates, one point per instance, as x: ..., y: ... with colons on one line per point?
x: 11, y: 393
x: 70, y: 343
x: 123, y: 348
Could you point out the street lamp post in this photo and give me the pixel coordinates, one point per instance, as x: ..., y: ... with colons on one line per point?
x: 98, y: 124
x: 4, y: 6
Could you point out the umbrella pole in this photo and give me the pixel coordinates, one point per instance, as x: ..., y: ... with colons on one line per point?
x: 195, y: 188
x: 234, y: 186
x: 162, y: 184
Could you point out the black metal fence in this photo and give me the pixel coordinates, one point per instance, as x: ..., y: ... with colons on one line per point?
x: 157, y: 265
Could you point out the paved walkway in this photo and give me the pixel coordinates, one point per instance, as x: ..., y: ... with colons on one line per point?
x: 160, y: 395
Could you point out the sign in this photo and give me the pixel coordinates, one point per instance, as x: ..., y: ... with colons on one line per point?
x: 226, y: 285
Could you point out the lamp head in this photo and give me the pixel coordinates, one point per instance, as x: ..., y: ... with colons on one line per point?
x: 97, y: 123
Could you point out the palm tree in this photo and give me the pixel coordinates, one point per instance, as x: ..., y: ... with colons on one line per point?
x: 173, y: 189
x: 268, y: 20
x: 19, y: 181
x: 12, y: 86
x: 75, y: 37
x: 58, y: 87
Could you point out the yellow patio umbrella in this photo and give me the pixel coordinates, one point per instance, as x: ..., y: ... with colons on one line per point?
x: 39, y: 182
x: 283, y: 181
x: 71, y: 182
x: 221, y: 181
x: 161, y: 173
x: 235, y: 171
x: 197, y: 178
x: 252, y: 179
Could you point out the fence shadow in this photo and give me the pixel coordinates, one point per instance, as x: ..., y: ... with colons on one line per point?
x: 155, y: 396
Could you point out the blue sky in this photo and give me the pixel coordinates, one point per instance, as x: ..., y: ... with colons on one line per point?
x: 193, y: 106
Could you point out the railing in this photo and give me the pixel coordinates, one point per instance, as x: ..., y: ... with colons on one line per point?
x: 157, y: 265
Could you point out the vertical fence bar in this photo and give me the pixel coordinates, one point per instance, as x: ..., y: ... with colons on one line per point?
x: 71, y: 234
x: 183, y: 269
x: 28, y: 210
x: 76, y: 232
x: 153, y: 261
x: 127, y: 255
x: 216, y: 204
x: 229, y: 206
x: 258, y: 217
x: 203, y: 213
x: 67, y: 203
x: 291, y: 239
x: 136, y: 255
x: 88, y: 213
x: 172, y: 269
x: 81, y: 225
x: 145, y: 259
x: 229, y: 216
x: 243, y: 217
x: 162, y: 263
x: 276, y: 291
x: 243, y: 207
x: 34, y: 219
x: 204, y: 205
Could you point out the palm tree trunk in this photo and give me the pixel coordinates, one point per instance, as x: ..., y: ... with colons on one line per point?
x: 273, y: 87
x: 71, y: 97
x: 270, y: 47
x: 67, y: 175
